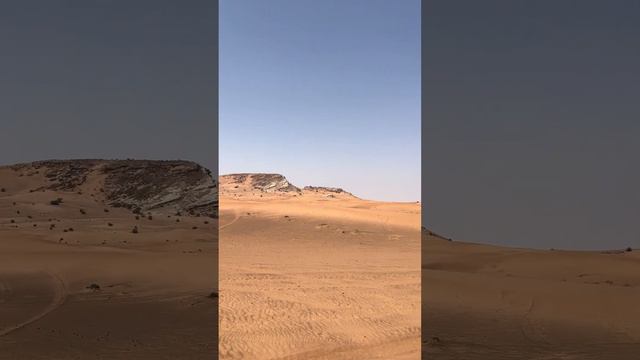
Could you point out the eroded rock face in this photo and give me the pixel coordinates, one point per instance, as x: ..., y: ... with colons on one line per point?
x: 66, y: 175
x: 138, y: 185
x: 253, y: 184
x: 267, y: 183
x: 180, y: 186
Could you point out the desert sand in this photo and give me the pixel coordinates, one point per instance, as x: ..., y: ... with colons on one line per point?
x: 76, y: 282
x: 490, y: 302
x: 316, y: 273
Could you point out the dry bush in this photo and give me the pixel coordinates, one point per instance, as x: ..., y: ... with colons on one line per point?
x: 56, y: 202
x: 93, y: 287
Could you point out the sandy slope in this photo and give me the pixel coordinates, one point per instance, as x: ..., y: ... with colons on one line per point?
x: 153, y: 301
x: 305, y: 275
x: 488, y: 302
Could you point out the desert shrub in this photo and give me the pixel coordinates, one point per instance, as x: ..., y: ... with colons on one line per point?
x: 93, y: 287
x: 195, y: 228
x: 83, y: 212
x: 150, y: 217
x: 213, y: 295
x: 3, y: 190
x: 106, y: 210
x: 13, y: 221
x: 109, y: 224
x: 135, y: 230
x: 56, y: 202
x: 628, y: 249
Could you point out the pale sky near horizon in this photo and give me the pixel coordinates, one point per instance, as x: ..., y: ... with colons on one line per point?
x: 324, y: 92
x: 531, y: 131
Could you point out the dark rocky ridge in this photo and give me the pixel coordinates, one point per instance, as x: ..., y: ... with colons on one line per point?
x: 326, y: 189
x: 427, y: 232
x: 138, y: 185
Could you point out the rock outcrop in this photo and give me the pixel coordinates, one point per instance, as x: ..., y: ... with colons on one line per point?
x: 138, y: 185
x: 324, y: 189
x: 248, y: 184
x: 266, y: 183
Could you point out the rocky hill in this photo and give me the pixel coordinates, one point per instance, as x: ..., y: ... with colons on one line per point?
x: 247, y: 184
x: 138, y: 185
x: 265, y: 183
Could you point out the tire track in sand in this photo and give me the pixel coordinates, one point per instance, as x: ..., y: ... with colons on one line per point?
x: 236, y: 217
x: 59, y: 297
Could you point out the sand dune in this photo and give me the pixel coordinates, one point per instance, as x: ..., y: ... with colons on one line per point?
x: 489, y: 302
x: 76, y: 282
x: 316, y: 273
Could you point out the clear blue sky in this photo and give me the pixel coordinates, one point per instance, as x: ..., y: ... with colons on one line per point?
x: 324, y: 92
